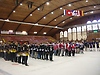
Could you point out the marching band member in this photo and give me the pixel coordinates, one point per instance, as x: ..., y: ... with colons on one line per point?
x: 19, y: 52
x: 25, y: 54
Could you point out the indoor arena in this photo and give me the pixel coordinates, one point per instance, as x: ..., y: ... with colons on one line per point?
x: 49, y: 37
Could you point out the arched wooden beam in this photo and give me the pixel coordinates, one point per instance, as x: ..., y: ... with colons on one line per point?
x: 11, y: 13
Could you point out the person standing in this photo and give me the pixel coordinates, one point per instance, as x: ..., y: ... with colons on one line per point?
x: 66, y: 49
x: 50, y: 47
x: 55, y: 49
x: 97, y: 45
x: 25, y: 54
x: 19, y: 52
x: 81, y: 47
x: 69, y: 49
x: 73, y: 49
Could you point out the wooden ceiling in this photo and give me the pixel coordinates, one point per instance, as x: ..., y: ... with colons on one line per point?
x: 18, y: 10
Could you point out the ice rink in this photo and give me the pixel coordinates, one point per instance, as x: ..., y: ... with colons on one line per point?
x: 82, y: 64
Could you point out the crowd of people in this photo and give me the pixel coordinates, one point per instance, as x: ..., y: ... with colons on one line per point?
x: 19, y: 52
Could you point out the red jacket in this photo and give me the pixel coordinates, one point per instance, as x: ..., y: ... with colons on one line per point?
x: 61, y: 46
x: 73, y: 46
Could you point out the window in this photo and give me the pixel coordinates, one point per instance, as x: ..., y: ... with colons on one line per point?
x: 83, y: 28
x: 65, y: 33
x: 99, y: 23
x: 88, y: 22
x: 74, y: 30
x: 69, y: 34
x: 61, y: 34
x: 69, y: 30
x: 78, y: 29
x: 89, y: 27
x: 74, y: 33
x: 95, y: 26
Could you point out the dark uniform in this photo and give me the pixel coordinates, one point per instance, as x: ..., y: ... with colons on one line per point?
x: 13, y: 51
x: 6, y: 52
x: 50, y: 47
x: 19, y: 52
x: 46, y: 52
x: 43, y: 51
x: 1, y: 50
x: 25, y: 54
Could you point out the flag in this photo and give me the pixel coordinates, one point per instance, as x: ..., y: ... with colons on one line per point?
x: 73, y: 12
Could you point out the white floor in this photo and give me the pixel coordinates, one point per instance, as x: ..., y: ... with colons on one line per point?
x: 82, y: 64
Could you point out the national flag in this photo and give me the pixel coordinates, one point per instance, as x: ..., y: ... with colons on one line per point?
x: 73, y: 12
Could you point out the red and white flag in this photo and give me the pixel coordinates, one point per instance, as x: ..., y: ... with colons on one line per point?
x: 73, y: 12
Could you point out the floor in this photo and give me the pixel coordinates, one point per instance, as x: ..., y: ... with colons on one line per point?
x: 82, y: 64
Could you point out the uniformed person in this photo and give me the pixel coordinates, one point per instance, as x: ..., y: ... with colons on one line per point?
x: 47, y: 52
x: 19, y: 52
x: 25, y: 54
x: 0, y: 50
x: 93, y: 45
x: 50, y: 47
x: 73, y: 49
x: 6, y: 52
x: 35, y: 51
x: 13, y: 52
x: 43, y: 51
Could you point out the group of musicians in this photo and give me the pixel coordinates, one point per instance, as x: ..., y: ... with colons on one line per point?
x: 19, y: 52
x: 14, y: 52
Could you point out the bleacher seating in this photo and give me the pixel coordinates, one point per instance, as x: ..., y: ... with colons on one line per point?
x: 30, y: 39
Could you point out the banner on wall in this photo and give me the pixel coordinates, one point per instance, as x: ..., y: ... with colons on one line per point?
x: 73, y: 12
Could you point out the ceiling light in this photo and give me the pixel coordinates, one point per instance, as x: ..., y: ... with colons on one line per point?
x: 55, y: 20
x: 14, y: 11
x: 56, y: 27
x: 7, y: 20
x: 91, y: 12
x: 24, y: 32
x: 71, y: 18
x: 63, y: 22
x: 86, y: 0
x: 94, y: 6
x: 38, y: 8
x: 47, y: 3
x: 51, y: 12
x: 44, y: 33
x: 44, y: 17
x: 60, y: 8
x: 35, y: 32
x: 36, y: 24
x: 30, y: 14
x: 21, y: 4
x: 69, y: 5
x: 62, y: 15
